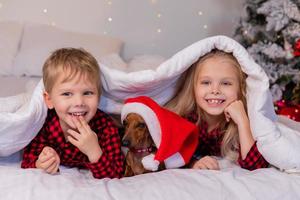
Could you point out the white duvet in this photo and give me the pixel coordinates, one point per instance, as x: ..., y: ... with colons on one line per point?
x: 278, y: 139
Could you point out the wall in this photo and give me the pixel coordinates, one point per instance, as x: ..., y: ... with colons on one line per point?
x: 147, y: 26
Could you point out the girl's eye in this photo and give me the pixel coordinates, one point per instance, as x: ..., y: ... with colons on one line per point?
x: 227, y: 83
x: 66, y: 94
x: 88, y: 93
x: 205, y: 82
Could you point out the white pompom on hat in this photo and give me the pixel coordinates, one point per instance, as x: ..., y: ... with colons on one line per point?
x: 175, y: 138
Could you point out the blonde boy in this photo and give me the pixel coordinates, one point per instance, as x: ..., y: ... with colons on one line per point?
x: 76, y: 133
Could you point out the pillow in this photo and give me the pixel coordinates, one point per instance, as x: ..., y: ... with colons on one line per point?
x: 113, y: 61
x: 39, y: 41
x: 144, y: 62
x: 10, y: 35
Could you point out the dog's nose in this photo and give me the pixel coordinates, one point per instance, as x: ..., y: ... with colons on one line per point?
x: 125, y: 143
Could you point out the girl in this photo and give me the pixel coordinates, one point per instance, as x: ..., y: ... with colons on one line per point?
x: 213, y: 97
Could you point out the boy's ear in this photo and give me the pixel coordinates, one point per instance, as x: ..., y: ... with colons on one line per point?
x: 47, y: 99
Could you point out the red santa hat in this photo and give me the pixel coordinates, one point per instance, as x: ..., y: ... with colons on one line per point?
x: 175, y: 138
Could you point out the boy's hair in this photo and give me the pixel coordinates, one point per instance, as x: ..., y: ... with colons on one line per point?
x: 70, y: 62
x: 184, y: 103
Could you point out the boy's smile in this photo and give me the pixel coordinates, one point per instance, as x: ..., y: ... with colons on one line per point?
x: 73, y: 98
x: 77, y: 114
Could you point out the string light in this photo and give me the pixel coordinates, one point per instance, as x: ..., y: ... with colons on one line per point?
x: 1, y: 5
x: 109, y: 3
x: 45, y: 10
x: 153, y: 1
x: 158, y: 15
x: 205, y: 26
x: 200, y: 13
x: 109, y: 19
x: 158, y: 30
x: 53, y: 24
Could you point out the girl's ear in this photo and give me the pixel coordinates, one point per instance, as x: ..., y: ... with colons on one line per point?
x: 47, y: 99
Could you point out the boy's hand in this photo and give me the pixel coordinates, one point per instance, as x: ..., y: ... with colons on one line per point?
x: 48, y: 160
x: 206, y: 162
x: 236, y: 112
x: 86, y: 140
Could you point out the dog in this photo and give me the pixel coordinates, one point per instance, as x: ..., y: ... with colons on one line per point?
x: 139, y: 142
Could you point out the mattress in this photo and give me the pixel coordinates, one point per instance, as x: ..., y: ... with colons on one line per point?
x: 231, y: 182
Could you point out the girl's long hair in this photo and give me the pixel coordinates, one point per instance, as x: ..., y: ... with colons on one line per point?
x: 184, y: 103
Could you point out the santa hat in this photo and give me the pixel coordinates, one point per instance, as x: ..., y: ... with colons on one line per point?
x: 175, y: 138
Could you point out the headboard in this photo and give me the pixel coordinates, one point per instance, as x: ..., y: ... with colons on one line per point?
x: 160, y: 27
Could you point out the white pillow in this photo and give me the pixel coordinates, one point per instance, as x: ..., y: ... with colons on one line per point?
x: 114, y: 61
x: 10, y: 35
x: 144, y: 62
x: 39, y: 41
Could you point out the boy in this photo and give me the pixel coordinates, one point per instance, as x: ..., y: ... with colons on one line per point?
x: 76, y: 133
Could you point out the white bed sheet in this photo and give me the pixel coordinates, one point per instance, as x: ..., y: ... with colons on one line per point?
x: 182, y: 184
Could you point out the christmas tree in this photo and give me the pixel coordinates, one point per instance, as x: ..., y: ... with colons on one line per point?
x: 270, y: 30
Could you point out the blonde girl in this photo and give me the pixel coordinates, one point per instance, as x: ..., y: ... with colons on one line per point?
x: 212, y: 95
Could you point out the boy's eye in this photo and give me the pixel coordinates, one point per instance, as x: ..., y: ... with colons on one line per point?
x: 66, y: 94
x: 88, y: 93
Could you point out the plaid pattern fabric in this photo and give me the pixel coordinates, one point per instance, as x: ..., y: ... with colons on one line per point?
x: 254, y: 159
x: 210, y: 144
x: 110, y: 163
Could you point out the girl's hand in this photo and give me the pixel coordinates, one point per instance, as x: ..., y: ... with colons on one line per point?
x: 86, y: 140
x: 48, y: 160
x: 236, y: 112
x: 206, y: 162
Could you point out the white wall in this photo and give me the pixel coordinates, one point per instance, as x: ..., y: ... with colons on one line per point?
x: 135, y: 21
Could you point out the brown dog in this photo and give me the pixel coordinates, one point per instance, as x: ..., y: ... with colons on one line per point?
x: 139, y: 142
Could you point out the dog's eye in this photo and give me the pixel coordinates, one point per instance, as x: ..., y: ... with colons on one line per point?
x: 141, y: 125
x: 125, y: 123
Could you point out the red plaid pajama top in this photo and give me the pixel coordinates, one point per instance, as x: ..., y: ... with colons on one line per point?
x: 110, y: 164
x: 210, y: 145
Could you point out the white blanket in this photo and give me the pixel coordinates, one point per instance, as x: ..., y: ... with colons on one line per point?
x: 177, y: 184
x: 21, y: 117
x: 277, y: 140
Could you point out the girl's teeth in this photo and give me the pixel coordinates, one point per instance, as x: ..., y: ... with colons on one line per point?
x: 215, y: 101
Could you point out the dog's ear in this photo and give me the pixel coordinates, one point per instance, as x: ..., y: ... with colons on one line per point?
x: 133, y: 165
x: 128, y: 164
x: 137, y: 166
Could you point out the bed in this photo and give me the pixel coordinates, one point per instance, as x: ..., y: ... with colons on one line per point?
x: 229, y: 183
x: 19, y: 68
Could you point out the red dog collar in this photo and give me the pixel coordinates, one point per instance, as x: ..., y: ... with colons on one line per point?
x: 142, y: 150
